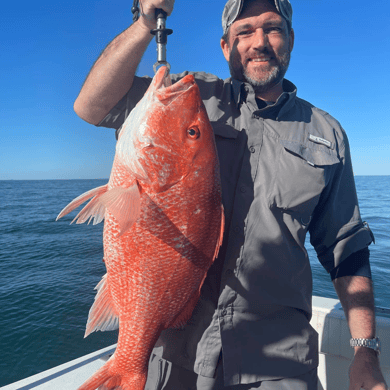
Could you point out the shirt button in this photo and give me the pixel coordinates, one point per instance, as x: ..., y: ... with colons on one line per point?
x: 243, y: 189
x: 236, y: 229
x: 229, y: 272
x: 252, y: 149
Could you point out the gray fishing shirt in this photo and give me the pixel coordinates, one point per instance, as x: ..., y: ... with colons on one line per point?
x: 285, y: 171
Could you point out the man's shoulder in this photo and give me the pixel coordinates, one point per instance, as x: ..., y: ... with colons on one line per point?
x: 318, y: 113
x: 321, y: 121
x: 209, y: 84
x: 175, y: 77
x: 208, y: 77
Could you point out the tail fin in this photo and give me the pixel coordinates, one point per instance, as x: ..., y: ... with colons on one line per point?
x: 106, y: 378
x: 99, y: 378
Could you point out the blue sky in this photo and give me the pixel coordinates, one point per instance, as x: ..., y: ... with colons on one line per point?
x: 340, y: 63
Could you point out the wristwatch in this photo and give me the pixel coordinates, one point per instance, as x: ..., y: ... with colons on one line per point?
x: 369, y: 343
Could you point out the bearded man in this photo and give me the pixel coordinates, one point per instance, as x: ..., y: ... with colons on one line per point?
x: 285, y: 171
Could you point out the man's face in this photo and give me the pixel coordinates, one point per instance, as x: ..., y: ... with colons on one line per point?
x: 259, y: 46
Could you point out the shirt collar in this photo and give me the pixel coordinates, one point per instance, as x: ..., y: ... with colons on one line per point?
x: 242, y: 91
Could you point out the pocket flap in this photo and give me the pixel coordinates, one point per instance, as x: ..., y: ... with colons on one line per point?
x: 318, y: 156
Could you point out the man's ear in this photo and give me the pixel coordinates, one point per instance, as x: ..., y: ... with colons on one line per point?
x: 291, y: 39
x: 225, y: 49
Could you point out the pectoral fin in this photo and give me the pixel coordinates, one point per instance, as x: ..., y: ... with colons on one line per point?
x: 96, y: 192
x: 124, y: 205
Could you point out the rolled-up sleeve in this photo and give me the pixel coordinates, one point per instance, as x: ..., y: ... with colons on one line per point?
x: 337, y: 229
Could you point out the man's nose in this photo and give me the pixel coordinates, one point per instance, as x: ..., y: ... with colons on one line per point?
x: 260, y: 40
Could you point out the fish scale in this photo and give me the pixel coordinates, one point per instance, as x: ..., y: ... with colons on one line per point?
x: 163, y: 226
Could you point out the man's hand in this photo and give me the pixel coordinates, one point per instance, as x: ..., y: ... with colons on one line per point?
x: 357, y: 298
x: 365, y: 372
x: 147, y: 11
x: 113, y: 73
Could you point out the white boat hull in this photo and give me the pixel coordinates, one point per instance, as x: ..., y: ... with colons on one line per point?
x: 328, y: 320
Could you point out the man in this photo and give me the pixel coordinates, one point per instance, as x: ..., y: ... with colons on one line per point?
x: 285, y: 170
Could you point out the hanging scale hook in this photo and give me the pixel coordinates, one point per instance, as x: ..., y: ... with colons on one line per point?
x: 161, y: 33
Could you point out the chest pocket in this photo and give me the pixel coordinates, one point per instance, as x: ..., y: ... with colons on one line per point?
x: 301, y: 175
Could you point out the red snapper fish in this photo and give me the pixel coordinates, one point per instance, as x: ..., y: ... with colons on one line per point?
x: 163, y: 226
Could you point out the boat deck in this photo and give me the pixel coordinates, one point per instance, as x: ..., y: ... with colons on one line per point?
x: 328, y: 320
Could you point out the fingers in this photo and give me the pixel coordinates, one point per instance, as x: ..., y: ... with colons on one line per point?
x: 148, y: 7
x: 167, y: 6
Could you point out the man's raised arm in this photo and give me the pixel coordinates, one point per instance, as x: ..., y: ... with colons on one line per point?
x: 112, y: 74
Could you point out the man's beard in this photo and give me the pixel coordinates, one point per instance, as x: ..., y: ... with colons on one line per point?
x: 266, y: 82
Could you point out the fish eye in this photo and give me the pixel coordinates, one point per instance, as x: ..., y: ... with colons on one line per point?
x: 193, y: 133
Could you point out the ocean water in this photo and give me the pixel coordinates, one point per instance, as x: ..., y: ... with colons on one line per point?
x: 49, y: 270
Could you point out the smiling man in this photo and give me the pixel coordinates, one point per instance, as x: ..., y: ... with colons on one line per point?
x: 258, y: 46
x: 286, y: 171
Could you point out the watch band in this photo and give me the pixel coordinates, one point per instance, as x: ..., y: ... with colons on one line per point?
x: 369, y: 343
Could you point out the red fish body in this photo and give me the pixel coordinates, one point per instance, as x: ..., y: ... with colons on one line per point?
x: 163, y: 226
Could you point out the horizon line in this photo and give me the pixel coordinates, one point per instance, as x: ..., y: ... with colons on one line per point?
x: 107, y: 178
